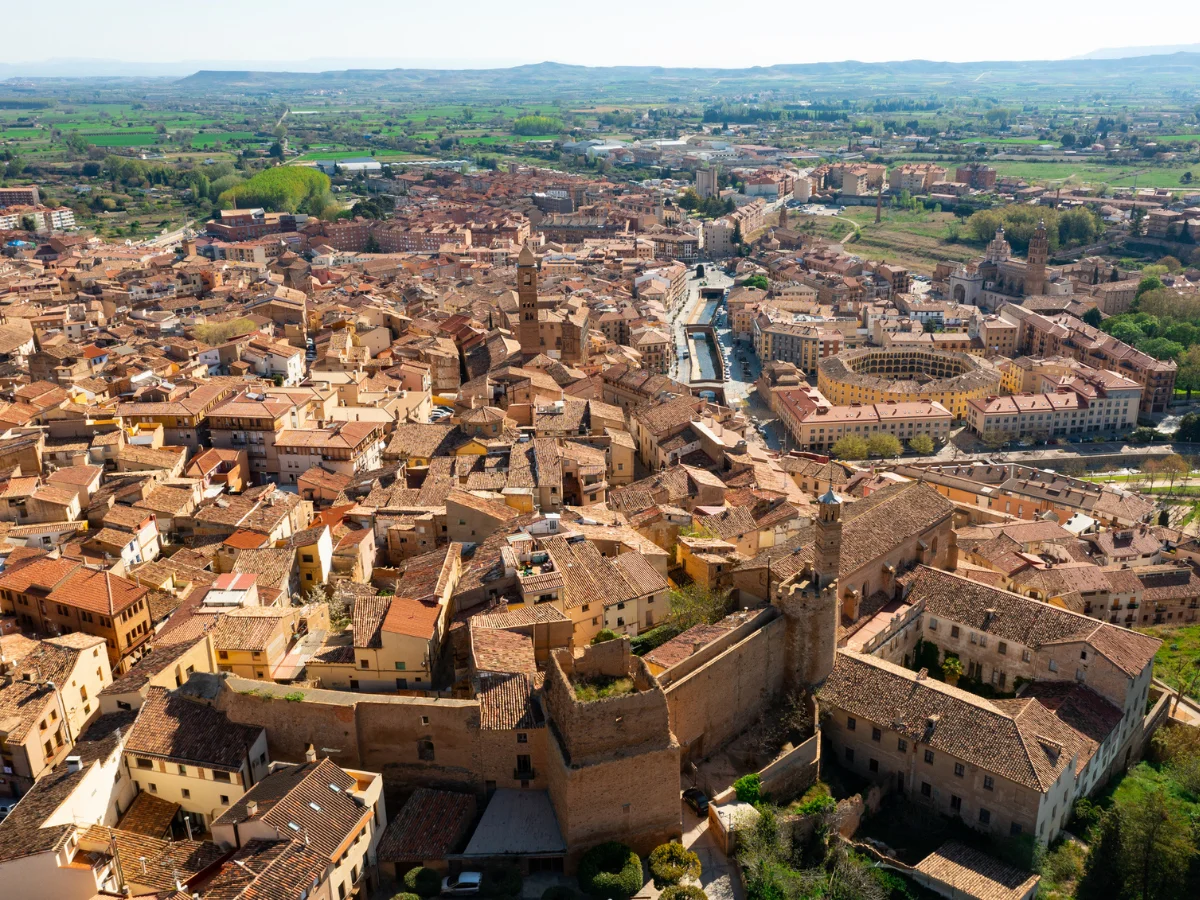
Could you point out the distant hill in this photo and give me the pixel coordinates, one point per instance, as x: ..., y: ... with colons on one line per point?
x: 557, y: 79
x: 1128, y: 52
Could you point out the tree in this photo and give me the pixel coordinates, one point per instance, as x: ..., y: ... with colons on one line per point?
x: 921, y: 444
x: 1160, y: 348
x: 883, y: 445
x: 849, y: 447
x: 758, y: 281
x: 1189, y: 428
x: 748, y: 788
x: 1172, y: 264
x: 694, y: 604
x: 1174, y: 466
x: 1093, y: 317
x: 1149, y: 283
x: 1156, y: 848
x: 604, y: 635
x: 671, y: 863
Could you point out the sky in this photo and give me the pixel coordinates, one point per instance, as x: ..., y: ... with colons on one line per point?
x: 309, y: 35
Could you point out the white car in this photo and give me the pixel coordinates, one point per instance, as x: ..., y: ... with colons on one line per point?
x: 462, y: 885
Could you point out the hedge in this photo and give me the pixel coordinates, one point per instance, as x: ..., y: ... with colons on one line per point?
x: 671, y: 863
x: 423, y: 881
x: 502, y: 880
x: 611, y: 871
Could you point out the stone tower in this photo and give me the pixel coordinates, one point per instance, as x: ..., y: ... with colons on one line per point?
x: 827, y: 551
x: 527, y: 297
x: 1035, y: 261
x: 809, y: 603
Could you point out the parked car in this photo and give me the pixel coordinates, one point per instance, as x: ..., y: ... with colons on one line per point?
x: 694, y: 797
x: 464, y: 884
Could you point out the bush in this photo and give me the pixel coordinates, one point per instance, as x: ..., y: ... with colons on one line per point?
x: 611, y: 871
x: 683, y: 892
x: 502, y: 880
x: 748, y: 788
x: 671, y: 863
x: 605, y: 634
x: 406, y: 896
x: 422, y: 881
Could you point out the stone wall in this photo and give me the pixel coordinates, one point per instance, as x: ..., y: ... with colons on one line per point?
x: 621, y: 725
x: 726, y: 695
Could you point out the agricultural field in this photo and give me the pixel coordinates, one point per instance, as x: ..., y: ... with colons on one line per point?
x: 916, y: 240
x: 1165, y: 176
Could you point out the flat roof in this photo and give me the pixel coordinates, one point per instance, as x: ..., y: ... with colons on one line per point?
x: 517, y: 823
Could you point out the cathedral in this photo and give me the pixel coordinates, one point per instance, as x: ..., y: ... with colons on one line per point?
x: 557, y: 330
x: 998, y: 278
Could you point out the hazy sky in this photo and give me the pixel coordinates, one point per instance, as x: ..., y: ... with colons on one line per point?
x: 654, y: 32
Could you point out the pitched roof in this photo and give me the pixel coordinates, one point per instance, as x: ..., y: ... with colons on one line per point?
x: 1025, y: 621
x: 428, y: 827
x: 313, y: 801
x: 171, y: 726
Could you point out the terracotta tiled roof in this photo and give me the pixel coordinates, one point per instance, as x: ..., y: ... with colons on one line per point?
x: 509, y: 702
x: 170, y: 726
x: 496, y: 650
x: 429, y: 826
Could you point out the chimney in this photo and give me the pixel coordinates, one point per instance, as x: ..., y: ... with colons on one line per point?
x: 251, y: 809
x: 310, y: 753
x: 74, y: 763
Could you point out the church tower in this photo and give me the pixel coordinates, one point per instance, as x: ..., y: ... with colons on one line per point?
x: 527, y: 297
x: 1035, y: 261
x: 809, y: 603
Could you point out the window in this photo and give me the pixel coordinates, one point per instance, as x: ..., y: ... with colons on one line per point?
x: 850, y: 754
x: 306, y: 557
x: 152, y: 787
x: 876, y: 734
x: 1026, y: 655
x: 985, y: 816
x: 524, y: 764
x: 187, y: 795
x: 425, y: 750
x: 401, y: 684
x: 522, y: 737
x: 902, y: 745
x: 145, y: 763
x: 183, y: 770
x: 223, y: 654
x: 1002, y: 648
x: 1015, y: 829
x: 873, y: 765
x: 955, y: 803
x: 424, y: 720
x: 959, y: 770
x: 1053, y: 666
x: 929, y: 757
x: 926, y: 789
x: 851, y: 723
x: 953, y: 631
x: 224, y: 799
x: 222, y: 776
x: 989, y: 783
x: 400, y: 666
x: 364, y: 664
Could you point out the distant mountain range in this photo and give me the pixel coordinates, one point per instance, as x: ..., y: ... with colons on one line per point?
x: 549, y: 79
x: 1127, y: 52
x: 1153, y: 73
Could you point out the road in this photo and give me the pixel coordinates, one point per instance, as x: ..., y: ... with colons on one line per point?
x: 679, y: 318
x: 171, y: 237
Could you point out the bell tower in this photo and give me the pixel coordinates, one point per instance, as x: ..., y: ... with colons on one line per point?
x: 1035, y: 261
x: 527, y: 296
x: 827, y: 551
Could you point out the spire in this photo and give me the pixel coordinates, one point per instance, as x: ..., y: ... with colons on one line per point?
x: 526, y: 258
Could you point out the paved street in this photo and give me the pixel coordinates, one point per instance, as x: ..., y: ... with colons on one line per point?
x: 681, y: 367
x: 718, y: 876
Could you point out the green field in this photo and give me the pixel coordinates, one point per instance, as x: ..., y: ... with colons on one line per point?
x: 207, y: 140
x: 1093, y: 173
x: 1180, y: 646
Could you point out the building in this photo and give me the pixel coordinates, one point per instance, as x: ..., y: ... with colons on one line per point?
x: 344, y: 449
x: 819, y: 428
x: 61, y: 596
x: 979, y: 176
x: 905, y: 375
x: 802, y: 345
